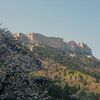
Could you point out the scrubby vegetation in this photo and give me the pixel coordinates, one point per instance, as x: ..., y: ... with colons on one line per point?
x: 45, y: 73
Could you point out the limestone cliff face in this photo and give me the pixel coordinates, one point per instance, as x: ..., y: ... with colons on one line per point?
x: 21, y: 37
x: 72, y: 45
x: 35, y: 39
x: 48, y: 41
x: 80, y: 48
x: 84, y: 48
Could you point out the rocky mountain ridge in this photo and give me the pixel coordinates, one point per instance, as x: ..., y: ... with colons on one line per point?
x: 41, y: 73
x: 36, y: 39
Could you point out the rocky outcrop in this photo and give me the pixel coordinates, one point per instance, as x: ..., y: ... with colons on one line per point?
x: 35, y: 39
x: 72, y: 45
x: 21, y: 37
x: 80, y: 48
x: 84, y: 48
x: 48, y: 41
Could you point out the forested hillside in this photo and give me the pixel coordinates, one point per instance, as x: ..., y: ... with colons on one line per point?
x: 45, y: 72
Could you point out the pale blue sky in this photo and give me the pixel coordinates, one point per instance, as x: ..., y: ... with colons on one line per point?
x: 77, y: 20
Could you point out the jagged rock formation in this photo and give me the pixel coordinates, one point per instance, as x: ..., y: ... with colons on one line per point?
x: 80, y: 48
x: 84, y: 48
x: 35, y: 39
x: 21, y: 37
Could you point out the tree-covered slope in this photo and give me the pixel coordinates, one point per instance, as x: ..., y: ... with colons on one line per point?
x: 46, y: 73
